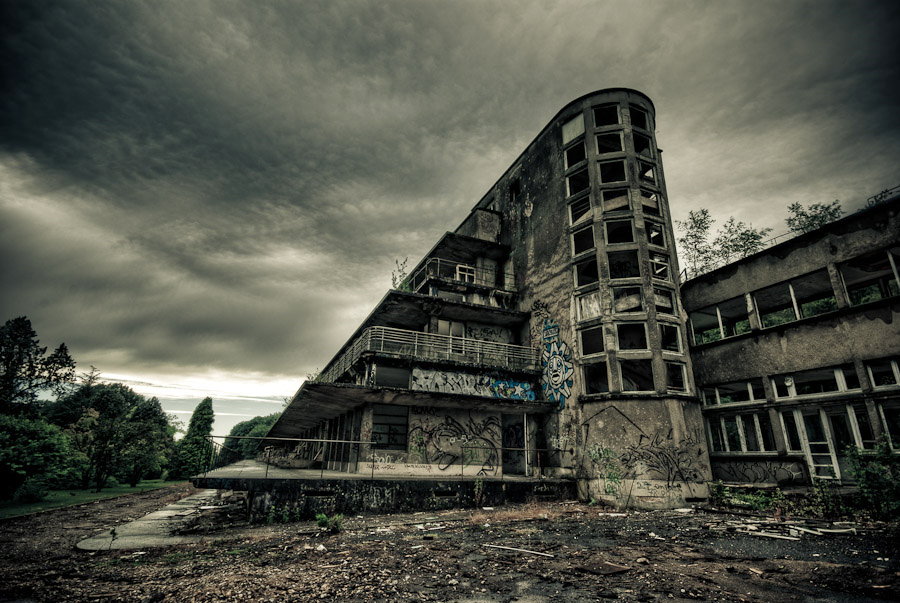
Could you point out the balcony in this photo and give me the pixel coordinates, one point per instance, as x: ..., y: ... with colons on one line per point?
x: 401, y: 343
x: 456, y: 272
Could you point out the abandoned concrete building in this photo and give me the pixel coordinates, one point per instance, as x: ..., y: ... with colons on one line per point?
x: 795, y: 351
x: 544, y: 346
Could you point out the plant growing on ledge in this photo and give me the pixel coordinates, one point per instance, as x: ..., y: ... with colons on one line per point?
x: 399, y: 276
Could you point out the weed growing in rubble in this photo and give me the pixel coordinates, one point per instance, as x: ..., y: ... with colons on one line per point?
x: 877, y: 475
x: 333, y: 524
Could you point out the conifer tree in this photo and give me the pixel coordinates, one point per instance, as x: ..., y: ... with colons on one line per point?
x: 193, y: 452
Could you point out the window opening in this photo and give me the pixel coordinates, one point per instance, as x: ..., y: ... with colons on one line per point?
x: 866, y: 435
x: 515, y: 191
x: 715, y: 433
x: 775, y: 305
x: 623, y: 264
x: 814, y: 294
x: 615, y: 199
x: 765, y: 428
x: 389, y: 426
x: 675, y: 377
x: 664, y: 300
x: 588, y: 305
x: 606, y: 115
x: 572, y: 129
x: 628, y: 299
x: 792, y: 432
x: 650, y: 201
x: 465, y: 273
x: 642, y: 145
x: 583, y: 240
x: 612, y: 171
x: 596, y: 378
x: 389, y: 376
x: 619, y: 231
x: 670, y: 340
x: 592, y: 341
x: 632, y: 336
x: 609, y: 143
x: 575, y: 154
x: 851, y: 379
x: 646, y: 173
x: 579, y: 209
x: 748, y: 429
x: 655, y: 234
x: 882, y: 372
x: 637, y: 375
x: 870, y: 277
x: 577, y: 182
x: 659, y: 266
x: 840, y: 428
x: 732, y: 433
x: 586, y: 272
x: 810, y: 382
x: 639, y: 118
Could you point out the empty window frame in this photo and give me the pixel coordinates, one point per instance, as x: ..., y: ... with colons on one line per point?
x: 619, y: 231
x: 606, y: 115
x: 577, y: 182
x: 465, y: 273
x: 664, y: 300
x: 596, y: 379
x: 580, y: 209
x: 725, y: 319
x: 628, y: 299
x: 637, y: 375
x: 639, y: 117
x: 615, y: 199
x: 623, y: 264
x: 591, y: 341
x: 734, y: 392
x: 583, y: 240
x: 871, y: 277
x: 815, y: 381
x: 575, y: 154
x: 390, y: 424
x: 609, y: 143
x: 742, y: 433
x: 632, y: 336
x: 801, y: 297
x: 642, y: 145
x: 891, y: 418
x: 572, y: 129
x: 612, y: 171
x: 655, y: 233
x: 659, y: 266
x: 515, y: 191
x: 650, y: 201
x: 669, y: 338
x: 883, y: 372
x: 791, y: 431
x: 588, y: 306
x: 675, y: 380
x: 586, y: 272
x: 850, y: 427
x: 646, y: 172
x: 389, y: 376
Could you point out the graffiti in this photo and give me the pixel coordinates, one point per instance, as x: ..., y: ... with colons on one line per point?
x: 512, y: 390
x: 669, y: 460
x: 556, y: 360
x: 450, y: 442
x: 472, y: 385
x: 540, y: 313
x: 488, y: 333
x: 607, y: 468
x: 757, y: 472
x: 588, y: 305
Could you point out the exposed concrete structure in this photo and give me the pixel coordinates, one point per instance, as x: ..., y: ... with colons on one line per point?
x: 542, y: 338
x: 796, y: 351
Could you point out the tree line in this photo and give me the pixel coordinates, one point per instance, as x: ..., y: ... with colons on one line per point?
x: 92, y: 435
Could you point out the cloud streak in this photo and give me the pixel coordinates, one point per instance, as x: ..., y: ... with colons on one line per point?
x: 205, y: 186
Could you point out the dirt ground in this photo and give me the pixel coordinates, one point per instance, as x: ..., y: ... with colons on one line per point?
x: 589, y: 554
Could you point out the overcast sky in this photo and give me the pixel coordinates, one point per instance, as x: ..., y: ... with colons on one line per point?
x: 209, y: 196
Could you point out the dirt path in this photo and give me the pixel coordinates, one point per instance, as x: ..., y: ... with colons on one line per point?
x: 444, y: 557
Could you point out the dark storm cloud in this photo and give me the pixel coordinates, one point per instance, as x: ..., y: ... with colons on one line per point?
x: 226, y: 184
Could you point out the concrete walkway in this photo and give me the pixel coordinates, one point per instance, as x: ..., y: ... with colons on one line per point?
x: 153, y: 529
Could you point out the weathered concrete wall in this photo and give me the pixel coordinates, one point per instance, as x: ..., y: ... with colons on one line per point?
x: 441, y: 441
x: 471, y: 383
x: 872, y: 331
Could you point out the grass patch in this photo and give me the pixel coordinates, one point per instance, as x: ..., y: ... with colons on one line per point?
x: 57, y: 499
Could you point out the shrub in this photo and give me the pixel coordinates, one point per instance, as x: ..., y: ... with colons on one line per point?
x: 332, y: 524
x: 877, y: 476
x: 32, y: 491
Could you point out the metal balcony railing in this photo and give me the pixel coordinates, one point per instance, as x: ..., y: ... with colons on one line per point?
x: 462, y: 273
x: 428, y: 346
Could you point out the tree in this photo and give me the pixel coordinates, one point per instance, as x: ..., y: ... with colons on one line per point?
x: 802, y: 219
x: 28, y: 448
x: 114, y: 432
x: 193, y: 452
x: 733, y: 241
x: 25, y: 367
x: 239, y: 449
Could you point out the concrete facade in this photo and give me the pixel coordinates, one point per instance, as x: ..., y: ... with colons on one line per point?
x: 795, y: 351
x: 544, y: 337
